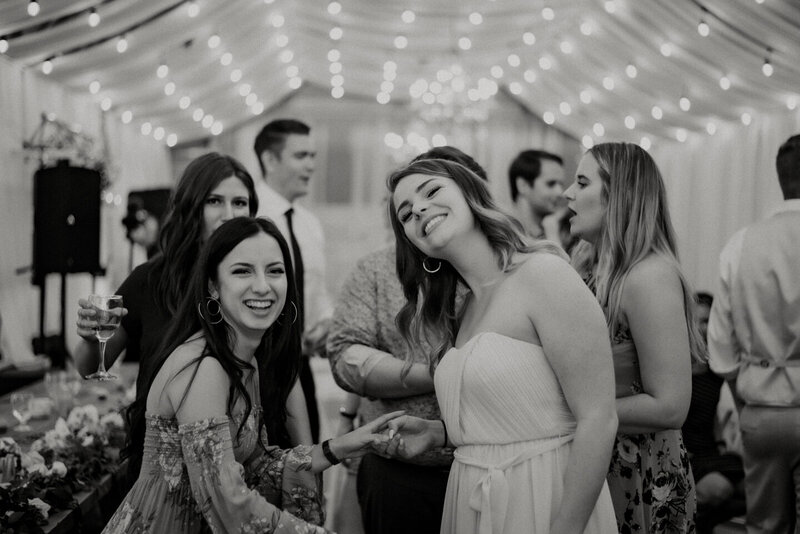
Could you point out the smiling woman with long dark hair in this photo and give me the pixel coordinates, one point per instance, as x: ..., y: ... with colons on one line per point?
x: 207, y: 461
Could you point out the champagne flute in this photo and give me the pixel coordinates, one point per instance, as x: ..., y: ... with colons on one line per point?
x: 107, y: 314
x: 21, y: 410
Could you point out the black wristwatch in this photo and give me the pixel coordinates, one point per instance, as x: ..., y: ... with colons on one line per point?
x: 344, y: 413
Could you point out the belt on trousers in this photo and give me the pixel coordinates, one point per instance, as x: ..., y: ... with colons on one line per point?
x: 490, y: 495
x: 763, y: 361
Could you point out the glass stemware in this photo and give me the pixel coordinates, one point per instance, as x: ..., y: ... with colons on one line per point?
x: 108, y: 312
x: 21, y: 410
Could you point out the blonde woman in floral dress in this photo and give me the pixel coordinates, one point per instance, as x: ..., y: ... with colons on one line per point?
x: 206, y: 462
x: 628, y: 257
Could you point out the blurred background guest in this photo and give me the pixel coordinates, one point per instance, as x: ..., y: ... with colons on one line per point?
x: 536, y: 180
x: 754, y: 342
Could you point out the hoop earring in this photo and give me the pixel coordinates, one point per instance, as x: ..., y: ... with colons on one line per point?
x: 211, y: 314
x: 296, y: 314
x: 429, y: 270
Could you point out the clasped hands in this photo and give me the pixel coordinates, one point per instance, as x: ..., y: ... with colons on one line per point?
x: 396, y: 435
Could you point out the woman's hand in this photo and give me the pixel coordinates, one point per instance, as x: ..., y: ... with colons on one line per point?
x: 87, y: 323
x: 411, y: 436
x: 361, y: 440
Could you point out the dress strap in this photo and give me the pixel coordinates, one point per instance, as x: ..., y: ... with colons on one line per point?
x: 490, y: 496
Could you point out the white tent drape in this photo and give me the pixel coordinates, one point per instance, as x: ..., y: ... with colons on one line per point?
x: 720, y: 184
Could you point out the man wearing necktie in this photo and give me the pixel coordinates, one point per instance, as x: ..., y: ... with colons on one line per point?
x: 285, y: 152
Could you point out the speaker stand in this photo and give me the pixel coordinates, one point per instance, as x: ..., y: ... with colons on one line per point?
x: 55, y: 347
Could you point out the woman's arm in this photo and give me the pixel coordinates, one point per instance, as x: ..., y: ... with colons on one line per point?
x: 357, y: 357
x: 218, y: 487
x: 297, y: 423
x: 652, y: 303
x: 574, y: 337
x: 87, y: 353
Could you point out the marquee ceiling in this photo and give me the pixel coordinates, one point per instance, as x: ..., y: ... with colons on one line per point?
x: 594, y: 68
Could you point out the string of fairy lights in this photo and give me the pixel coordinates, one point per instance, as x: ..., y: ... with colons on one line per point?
x: 448, y: 85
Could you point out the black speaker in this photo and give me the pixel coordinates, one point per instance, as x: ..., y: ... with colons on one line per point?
x: 66, y: 221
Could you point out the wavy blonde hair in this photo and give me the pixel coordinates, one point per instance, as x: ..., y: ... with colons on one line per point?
x: 636, y: 224
x: 429, y: 315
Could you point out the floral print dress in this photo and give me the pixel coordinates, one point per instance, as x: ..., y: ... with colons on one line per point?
x: 650, y: 478
x: 196, y: 478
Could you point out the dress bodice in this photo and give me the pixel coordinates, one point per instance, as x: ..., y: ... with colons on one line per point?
x: 626, y: 364
x: 498, y: 389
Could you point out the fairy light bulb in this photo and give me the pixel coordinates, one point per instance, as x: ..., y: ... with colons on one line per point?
x: 122, y: 44
x: 334, y: 8
x: 657, y: 113
x: 94, y: 18
x: 47, y: 66
x: 33, y: 8
x: 767, y: 69
x: 703, y: 29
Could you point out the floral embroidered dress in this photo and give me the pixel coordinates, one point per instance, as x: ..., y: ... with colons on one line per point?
x: 650, y: 478
x: 195, y: 478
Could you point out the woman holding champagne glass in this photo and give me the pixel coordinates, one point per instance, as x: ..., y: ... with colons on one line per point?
x: 107, y: 313
x: 213, y: 189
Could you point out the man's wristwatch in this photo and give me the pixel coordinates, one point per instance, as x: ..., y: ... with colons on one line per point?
x: 344, y: 413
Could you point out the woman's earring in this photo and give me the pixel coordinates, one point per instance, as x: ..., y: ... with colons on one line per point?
x: 429, y: 270
x: 294, y: 320
x: 215, y: 316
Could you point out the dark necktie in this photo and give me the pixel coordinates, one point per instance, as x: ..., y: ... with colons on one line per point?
x: 298, y: 267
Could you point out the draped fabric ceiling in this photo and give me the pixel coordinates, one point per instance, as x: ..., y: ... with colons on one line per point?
x: 596, y: 69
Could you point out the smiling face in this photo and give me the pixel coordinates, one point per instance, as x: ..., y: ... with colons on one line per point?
x: 585, y: 201
x: 251, y: 285
x: 432, y: 210
x: 545, y: 192
x: 228, y: 200
x: 290, y: 172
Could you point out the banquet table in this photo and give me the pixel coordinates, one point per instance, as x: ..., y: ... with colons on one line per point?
x: 106, y: 396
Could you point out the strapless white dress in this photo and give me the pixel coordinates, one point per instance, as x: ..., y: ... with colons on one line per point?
x: 507, y: 415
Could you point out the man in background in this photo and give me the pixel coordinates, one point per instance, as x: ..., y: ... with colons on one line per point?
x: 536, y: 179
x: 754, y: 342
x: 285, y: 152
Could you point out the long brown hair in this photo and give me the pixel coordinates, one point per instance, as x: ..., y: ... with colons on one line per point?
x: 183, y: 232
x: 429, y: 314
x: 636, y: 224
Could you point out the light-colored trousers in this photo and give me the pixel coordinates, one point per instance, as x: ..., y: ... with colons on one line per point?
x: 771, y: 443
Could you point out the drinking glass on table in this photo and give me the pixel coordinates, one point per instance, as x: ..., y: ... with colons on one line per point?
x: 108, y: 312
x: 21, y: 410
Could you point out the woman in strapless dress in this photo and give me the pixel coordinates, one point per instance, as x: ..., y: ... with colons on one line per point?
x: 523, y: 377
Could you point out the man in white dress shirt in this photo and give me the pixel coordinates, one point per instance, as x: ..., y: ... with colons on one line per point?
x: 754, y: 341
x: 285, y: 151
